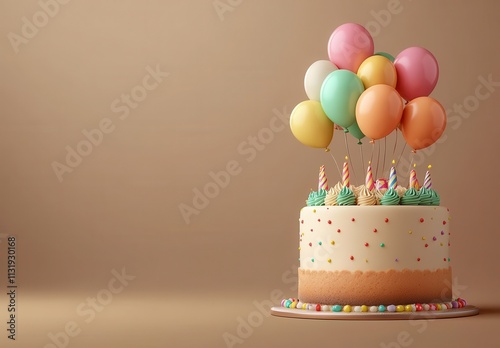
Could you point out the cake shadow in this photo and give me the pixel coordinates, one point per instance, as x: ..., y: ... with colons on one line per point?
x: 489, y: 310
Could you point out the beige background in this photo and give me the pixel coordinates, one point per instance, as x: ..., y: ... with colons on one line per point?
x: 229, y: 73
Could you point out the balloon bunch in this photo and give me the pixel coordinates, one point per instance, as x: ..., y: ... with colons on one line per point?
x: 369, y: 94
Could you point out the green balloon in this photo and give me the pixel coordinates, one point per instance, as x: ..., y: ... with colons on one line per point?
x: 339, y: 94
x: 386, y: 55
x: 354, y: 130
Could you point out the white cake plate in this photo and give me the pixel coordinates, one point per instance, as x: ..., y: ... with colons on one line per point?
x: 438, y: 314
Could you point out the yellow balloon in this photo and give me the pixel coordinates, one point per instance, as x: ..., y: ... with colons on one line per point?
x: 377, y: 70
x: 310, y: 125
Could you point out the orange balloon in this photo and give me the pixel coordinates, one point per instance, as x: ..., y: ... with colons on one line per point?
x: 376, y: 70
x: 378, y: 111
x: 423, y: 122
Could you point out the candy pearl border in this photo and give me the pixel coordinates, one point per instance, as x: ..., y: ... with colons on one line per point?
x: 293, y: 303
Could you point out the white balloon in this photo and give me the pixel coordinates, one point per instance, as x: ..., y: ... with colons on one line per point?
x: 315, y: 75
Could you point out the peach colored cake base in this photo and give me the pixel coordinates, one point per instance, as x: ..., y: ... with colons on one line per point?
x: 374, y: 288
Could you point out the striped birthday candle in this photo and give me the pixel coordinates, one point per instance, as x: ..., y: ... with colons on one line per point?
x: 345, y: 175
x: 323, y: 181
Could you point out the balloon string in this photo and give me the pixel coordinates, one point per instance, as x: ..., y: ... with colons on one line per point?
x: 385, y: 151
x: 395, y: 144
x: 401, y: 154
x: 336, y: 164
x: 373, y: 150
x: 349, y: 157
x: 362, y: 159
x: 411, y: 163
x: 378, y: 161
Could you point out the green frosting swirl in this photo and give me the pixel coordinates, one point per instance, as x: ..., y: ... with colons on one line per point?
x: 435, y: 199
x: 425, y: 196
x: 410, y: 197
x: 346, y: 197
x: 316, y: 198
x: 390, y: 197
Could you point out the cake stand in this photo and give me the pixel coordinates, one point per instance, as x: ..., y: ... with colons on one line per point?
x: 324, y: 315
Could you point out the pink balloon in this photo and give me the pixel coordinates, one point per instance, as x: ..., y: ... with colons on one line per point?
x: 349, y: 45
x: 417, y: 71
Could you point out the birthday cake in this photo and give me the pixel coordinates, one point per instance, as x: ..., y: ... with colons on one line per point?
x: 379, y: 246
x: 374, y: 245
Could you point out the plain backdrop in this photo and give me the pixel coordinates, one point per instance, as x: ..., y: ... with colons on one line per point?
x: 115, y: 114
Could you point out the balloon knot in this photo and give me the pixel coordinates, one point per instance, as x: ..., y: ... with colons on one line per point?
x: 360, y: 143
x: 327, y: 149
x: 372, y: 141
